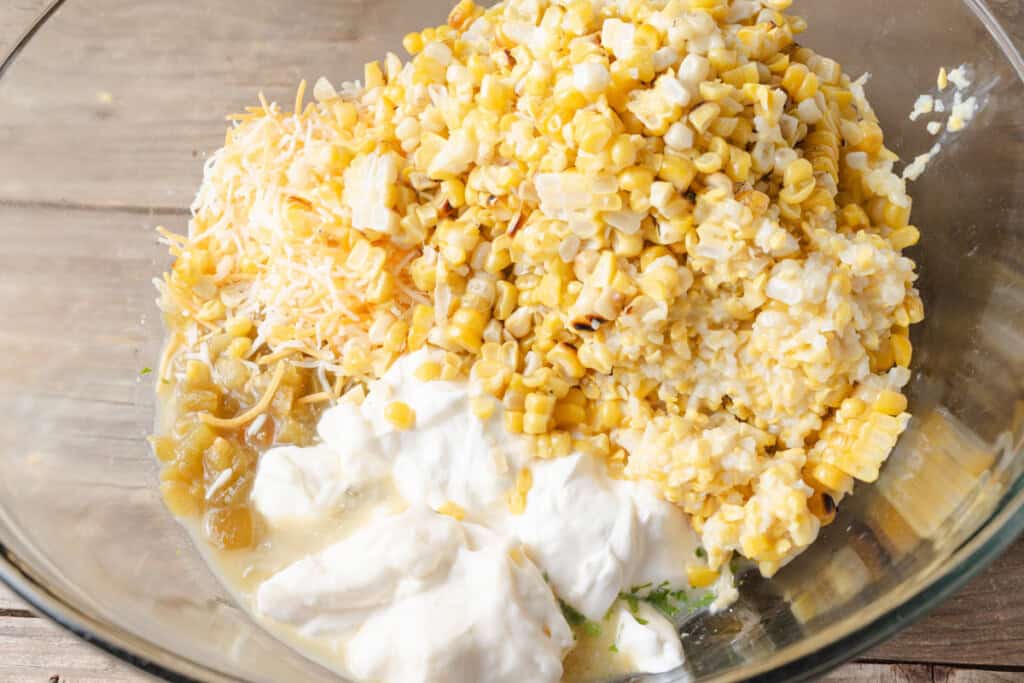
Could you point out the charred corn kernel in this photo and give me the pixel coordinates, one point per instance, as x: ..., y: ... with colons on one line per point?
x: 700, y: 576
x: 890, y: 402
x: 428, y: 371
x: 400, y: 415
x: 902, y: 350
x: 822, y: 506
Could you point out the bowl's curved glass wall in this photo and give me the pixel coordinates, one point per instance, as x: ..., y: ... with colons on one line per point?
x: 106, y: 116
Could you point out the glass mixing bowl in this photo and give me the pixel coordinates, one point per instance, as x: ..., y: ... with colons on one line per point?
x: 107, y: 110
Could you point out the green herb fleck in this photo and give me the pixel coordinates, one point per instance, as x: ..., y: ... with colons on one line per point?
x: 145, y: 371
x: 643, y: 586
x: 571, y: 615
x: 705, y: 600
x: 612, y: 648
x: 699, y: 552
x: 592, y: 629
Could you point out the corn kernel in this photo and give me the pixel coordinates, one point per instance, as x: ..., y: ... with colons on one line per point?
x: 428, y: 371
x: 700, y: 576
x: 400, y: 415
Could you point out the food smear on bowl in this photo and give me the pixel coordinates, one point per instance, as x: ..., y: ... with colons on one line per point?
x: 494, y: 360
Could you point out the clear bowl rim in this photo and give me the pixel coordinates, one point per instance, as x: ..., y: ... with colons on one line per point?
x: 820, y: 653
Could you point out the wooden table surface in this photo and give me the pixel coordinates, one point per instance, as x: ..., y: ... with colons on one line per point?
x: 977, y: 635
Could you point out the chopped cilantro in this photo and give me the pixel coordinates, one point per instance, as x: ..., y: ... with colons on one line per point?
x: 612, y: 648
x: 643, y: 586
x: 592, y: 629
x: 699, y: 552
x: 571, y: 615
x: 705, y: 600
x: 145, y: 371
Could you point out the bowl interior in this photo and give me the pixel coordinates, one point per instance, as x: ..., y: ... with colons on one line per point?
x: 106, y: 116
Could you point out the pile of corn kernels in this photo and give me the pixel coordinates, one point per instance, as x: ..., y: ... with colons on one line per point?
x: 660, y: 232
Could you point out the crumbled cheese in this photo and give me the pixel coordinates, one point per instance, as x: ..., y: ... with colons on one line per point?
x: 925, y: 104
x: 943, y: 79
x: 917, y: 167
x: 963, y: 113
x: 934, y: 127
x: 960, y: 77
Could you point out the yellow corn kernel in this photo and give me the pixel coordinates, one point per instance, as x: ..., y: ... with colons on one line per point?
x: 596, y: 356
x: 466, y: 329
x: 708, y: 163
x: 400, y: 415
x: 495, y: 93
x: 514, y: 421
x: 564, y: 358
x: 904, y: 237
x: 413, y: 43
x: 428, y: 371
x: 800, y: 83
x: 636, y: 179
x: 608, y: 415
x: 702, y: 116
x: 890, y: 402
x: 700, y: 576
x: 677, y: 170
x: 482, y: 407
x: 737, y: 77
x: 239, y: 348
x: 623, y: 152
x: 452, y: 509
x: 238, y: 327
x: 422, y: 322
x: 902, y: 350
x: 517, y: 496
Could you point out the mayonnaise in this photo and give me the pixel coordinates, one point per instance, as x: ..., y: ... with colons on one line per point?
x: 418, y: 596
x: 596, y: 536
x: 421, y: 598
x: 649, y: 639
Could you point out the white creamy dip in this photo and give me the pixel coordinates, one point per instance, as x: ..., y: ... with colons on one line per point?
x: 420, y: 596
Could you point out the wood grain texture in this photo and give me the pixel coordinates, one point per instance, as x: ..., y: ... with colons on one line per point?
x: 151, y: 145
x: 982, y: 624
x: 36, y: 650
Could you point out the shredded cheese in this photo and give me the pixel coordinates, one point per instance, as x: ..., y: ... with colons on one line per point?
x: 252, y: 413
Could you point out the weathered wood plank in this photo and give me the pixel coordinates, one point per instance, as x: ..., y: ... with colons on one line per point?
x: 983, y: 624
x: 37, y: 650
x: 9, y: 602
x: 117, y: 101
